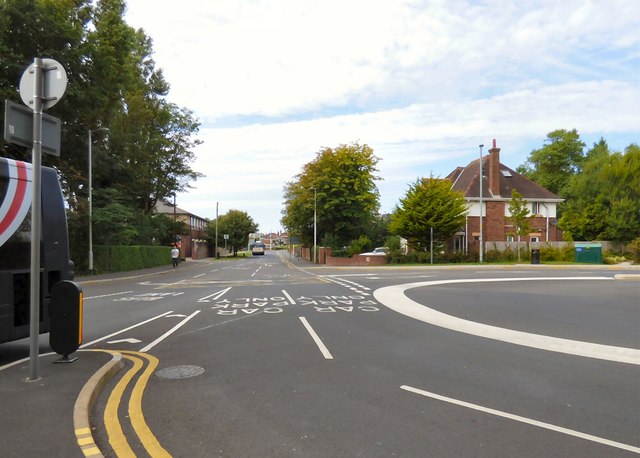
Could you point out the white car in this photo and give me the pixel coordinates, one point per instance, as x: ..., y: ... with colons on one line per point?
x: 257, y: 249
x: 380, y: 251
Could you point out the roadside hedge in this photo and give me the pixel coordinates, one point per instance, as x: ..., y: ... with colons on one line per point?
x: 123, y: 258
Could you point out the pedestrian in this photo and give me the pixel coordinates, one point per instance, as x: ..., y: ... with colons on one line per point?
x: 175, y: 253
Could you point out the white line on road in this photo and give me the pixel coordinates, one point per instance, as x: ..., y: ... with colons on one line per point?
x: 394, y: 298
x: 316, y: 339
x: 124, y: 330
x: 168, y: 333
x: 257, y: 270
x: 214, y: 296
x: 286, y: 294
x: 200, y: 275
x: 348, y: 275
x: 528, y: 421
x: 107, y: 295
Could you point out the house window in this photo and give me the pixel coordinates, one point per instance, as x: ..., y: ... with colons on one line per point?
x: 537, y: 208
x: 535, y: 239
x: 510, y: 238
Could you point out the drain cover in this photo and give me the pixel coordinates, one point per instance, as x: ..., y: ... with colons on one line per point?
x: 175, y: 372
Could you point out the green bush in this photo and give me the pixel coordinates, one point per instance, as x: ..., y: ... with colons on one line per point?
x: 393, y: 243
x: 634, y: 247
x: 361, y: 245
x: 613, y: 258
x: 116, y: 258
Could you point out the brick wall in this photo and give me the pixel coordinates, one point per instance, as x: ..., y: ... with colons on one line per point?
x: 357, y: 260
x: 495, y: 222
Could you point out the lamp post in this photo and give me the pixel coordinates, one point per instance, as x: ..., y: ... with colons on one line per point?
x: 106, y: 129
x: 215, y: 253
x: 315, y: 222
x: 481, y: 232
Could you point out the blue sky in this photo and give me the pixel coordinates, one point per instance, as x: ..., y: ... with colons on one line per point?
x: 421, y: 82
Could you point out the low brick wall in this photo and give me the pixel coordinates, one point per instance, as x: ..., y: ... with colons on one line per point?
x: 357, y: 260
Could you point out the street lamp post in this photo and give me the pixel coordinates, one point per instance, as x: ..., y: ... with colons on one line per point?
x: 215, y: 253
x: 106, y: 129
x: 315, y: 222
x: 481, y: 232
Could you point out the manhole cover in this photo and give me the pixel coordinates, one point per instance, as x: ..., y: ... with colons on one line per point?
x: 174, y: 372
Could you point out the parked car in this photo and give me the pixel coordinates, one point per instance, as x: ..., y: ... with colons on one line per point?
x: 257, y: 248
x: 380, y: 251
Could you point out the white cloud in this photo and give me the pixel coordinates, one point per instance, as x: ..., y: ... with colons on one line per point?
x: 421, y: 81
x: 412, y: 142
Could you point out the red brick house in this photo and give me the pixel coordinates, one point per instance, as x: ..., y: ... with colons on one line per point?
x: 498, y: 181
x: 195, y: 243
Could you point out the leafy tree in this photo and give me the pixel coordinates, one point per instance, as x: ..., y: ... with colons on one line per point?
x: 520, y: 217
x: 114, y: 83
x: 552, y: 165
x: 238, y: 225
x: 603, y: 202
x: 340, y: 182
x: 429, y: 203
x: 378, y: 231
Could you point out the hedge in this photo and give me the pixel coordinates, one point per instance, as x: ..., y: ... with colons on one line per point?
x: 123, y: 258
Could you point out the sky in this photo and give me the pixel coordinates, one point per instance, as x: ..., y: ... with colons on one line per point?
x: 422, y: 82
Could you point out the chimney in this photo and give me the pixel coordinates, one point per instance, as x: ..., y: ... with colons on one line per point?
x: 494, y: 169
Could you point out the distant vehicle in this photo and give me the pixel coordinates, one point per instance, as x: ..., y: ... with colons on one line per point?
x: 257, y: 248
x: 380, y: 251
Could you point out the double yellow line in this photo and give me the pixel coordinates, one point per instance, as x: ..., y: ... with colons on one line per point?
x: 117, y: 439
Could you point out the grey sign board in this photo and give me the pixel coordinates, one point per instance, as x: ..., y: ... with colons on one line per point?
x: 18, y: 128
x: 54, y: 83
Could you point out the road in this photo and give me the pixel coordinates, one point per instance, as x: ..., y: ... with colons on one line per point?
x: 261, y: 357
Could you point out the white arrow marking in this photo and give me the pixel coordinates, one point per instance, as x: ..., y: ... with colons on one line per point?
x: 214, y: 296
x: 130, y: 340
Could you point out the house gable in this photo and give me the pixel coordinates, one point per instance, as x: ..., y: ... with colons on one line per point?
x: 498, y: 183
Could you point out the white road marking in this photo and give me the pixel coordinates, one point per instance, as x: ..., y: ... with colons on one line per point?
x: 200, y: 275
x: 257, y: 270
x: 125, y: 330
x: 288, y: 297
x: 316, y: 339
x: 107, y: 295
x: 149, y: 283
x: 528, y: 421
x: 348, y: 275
x: 168, y: 333
x: 129, y: 340
x: 394, y: 298
x: 214, y: 296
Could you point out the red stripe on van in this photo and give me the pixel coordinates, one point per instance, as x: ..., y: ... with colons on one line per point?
x: 18, y: 197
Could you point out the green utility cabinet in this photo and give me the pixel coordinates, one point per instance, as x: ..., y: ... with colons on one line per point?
x: 589, y: 253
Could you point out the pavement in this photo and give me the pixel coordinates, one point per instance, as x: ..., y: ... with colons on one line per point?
x: 50, y: 417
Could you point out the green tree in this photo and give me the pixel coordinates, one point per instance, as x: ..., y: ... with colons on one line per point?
x: 340, y: 183
x: 559, y: 159
x: 603, y: 202
x: 429, y: 203
x: 114, y: 83
x: 238, y: 225
x: 520, y: 217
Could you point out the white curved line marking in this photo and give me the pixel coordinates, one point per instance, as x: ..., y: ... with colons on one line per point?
x: 393, y: 297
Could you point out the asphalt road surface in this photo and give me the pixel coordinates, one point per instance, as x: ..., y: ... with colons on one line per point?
x: 266, y: 356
